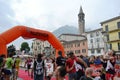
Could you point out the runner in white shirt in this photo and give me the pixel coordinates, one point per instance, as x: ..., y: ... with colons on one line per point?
x: 49, y: 68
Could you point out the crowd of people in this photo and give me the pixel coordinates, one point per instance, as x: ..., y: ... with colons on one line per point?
x: 76, y: 67
x: 43, y: 67
x: 9, y: 67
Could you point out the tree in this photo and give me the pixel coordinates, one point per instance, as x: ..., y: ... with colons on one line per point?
x: 11, y: 50
x: 25, y: 47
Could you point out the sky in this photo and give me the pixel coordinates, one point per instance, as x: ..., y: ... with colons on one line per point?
x: 51, y: 14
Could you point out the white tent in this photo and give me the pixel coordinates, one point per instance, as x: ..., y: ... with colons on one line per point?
x: 23, y: 56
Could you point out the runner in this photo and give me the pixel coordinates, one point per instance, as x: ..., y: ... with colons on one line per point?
x: 49, y: 66
x: 17, y: 63
x: 8, y: 67
x: 71, y: 64
x: 38, y: 68
x: 28, y: 63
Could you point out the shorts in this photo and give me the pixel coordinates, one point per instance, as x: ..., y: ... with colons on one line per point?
x: 28, y: 66
x: 7, y: 71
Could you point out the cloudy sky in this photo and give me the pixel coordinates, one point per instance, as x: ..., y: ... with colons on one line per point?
x: 52, y: 14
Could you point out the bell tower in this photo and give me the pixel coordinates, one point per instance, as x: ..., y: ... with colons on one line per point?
x: 81, y: 21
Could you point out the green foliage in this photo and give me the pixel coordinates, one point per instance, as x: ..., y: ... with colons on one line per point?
x: 11, y: 50
x: 25, y: 47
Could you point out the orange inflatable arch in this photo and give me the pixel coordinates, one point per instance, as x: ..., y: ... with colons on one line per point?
x: 26, y: 32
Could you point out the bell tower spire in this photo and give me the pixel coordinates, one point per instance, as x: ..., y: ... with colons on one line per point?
x: 81, y: 21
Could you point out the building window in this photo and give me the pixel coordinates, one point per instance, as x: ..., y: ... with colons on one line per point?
x: 83, y: 43
x: 106, y: 28
x: 83, y: 50
x: 37, y: 43
x: 107, y: 36
x: 98, y: 51
x: 118, y: 46
x: 67, y: 46
x: 91, y: 35
x: 98, y: 45
x: 39, y: 47
x: 75, y: 45
x: 78, y: 45
x: 92, y: 51
x: 110, y: 46
x: 119, y: 35
x: 71, y: 45
x: 77, y: 51
x: 97, y: 39
x: 118, y: 25
x: 91, y: 40
x: 97, y: 33
x: 64, y: 46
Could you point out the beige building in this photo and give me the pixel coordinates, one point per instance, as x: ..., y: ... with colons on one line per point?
x: 39, y: 46
x: 74, y: 42
x: 111, y: 31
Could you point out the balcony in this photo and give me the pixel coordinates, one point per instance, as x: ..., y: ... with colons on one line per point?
x: 113, y: 39
x: 113, y: 29
x: 95, y: 46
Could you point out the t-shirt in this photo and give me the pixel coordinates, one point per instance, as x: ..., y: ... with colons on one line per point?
x: 1, y: 61
x: 29, y: 61
x: 70, y: 63
x: 60, y: 61
x: 9, y: 63
x: 49, y: 68
x: 85, y: 78
x: 17, y: 62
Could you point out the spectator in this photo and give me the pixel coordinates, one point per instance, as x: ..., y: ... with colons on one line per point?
x: 118, y: 59
x: 97, y: 61
x: 60, y: 73
x: 88, y: 74
x: 91, y: 60
x: 110, y: 70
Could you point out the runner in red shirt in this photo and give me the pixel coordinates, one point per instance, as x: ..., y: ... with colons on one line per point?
x: 70, y: 65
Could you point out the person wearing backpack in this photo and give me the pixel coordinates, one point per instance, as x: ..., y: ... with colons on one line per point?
x: 38, y: 68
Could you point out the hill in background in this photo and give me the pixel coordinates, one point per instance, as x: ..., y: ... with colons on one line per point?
x: 65, y: 30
